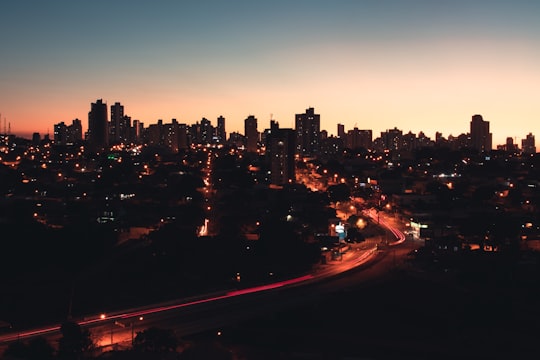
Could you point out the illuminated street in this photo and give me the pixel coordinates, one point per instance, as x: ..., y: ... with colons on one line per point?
x: 119, y: 327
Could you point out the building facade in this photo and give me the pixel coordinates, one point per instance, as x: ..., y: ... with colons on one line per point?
x: 251, y: 133
x: 281, y: 152
x: 481, y: 138
x: 98, y: 127
x: 308, y: 133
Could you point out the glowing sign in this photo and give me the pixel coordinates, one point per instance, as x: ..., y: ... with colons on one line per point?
x: 340, y: 230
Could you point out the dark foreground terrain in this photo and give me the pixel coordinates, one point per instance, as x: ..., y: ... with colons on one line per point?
x: 409, y: 315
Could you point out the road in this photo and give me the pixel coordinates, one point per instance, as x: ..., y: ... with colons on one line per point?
x: 365, y: 262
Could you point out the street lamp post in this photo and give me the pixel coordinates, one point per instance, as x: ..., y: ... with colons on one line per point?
x: 140, y: 318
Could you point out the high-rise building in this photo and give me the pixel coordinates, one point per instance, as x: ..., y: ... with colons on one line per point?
x: 510, y: 146
x: 528, y: 145
x: 170, y: 136
x: 136, y: 131
x: 392, y: 139
x: 237, y: 139
x: 75, y: 131
x: 341, y: 131
x: 480, y: 135
x: 98, y: 131
x: 331, y: 146
x: 194, y: 133
x: 36, y: 138
x: 125, y: 129
x: 281, y: 152
x: 221, y: 135
x: 60, y: 133
x: 117, y: 113
x: 359, y: 139
x: 120, y: 125
x: 182, y: 137
x: 156, y: 134
x: 308, y: 133
x: 251, y: 133
x: 207, y: 131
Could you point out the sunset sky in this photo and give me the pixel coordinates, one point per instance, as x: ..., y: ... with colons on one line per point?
x: 418, y: 65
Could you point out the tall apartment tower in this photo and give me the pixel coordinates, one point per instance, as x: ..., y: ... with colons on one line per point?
x: 98, y: 129
x: 251, y: 133
x: 206, y: 131
x: 341, y: 131
x: 170, y: 136
x: 183, y: 142
x: 221, y: 134
x: 68, y: 134
x: 60, y: 133
x: 359, y: 139
x: 392, y: 139
x: 281, y: 152
x: 308, y: 133
x: 75, y: 131
x: 136, y: 131
x: 528, y: 144
x: 117, y: 113
x: 481, y: 138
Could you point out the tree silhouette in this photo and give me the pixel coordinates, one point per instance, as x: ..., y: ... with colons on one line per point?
x: 16, y: 350
x: 339, y: 192
x: 75, y: 342
x: 155, y: 340
x: 35, y: 349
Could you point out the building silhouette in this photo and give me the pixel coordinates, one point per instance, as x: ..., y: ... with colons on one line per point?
x: 251, y: 133
x: 119, y: 126
x: 528, y: 145
x: 170, y: 136
x: 206, y: 131
x: 183, y: 142
x: 36, y: 138
x: 136, y: 133
x: 117, y: 114
x: 98, y: 130
x: 67, y: 134
x: 341, y: 131
x: 308, y: 133
x: 221, y: 134
x: 392, y: 139
x: 480, y: 135
x: 60, y: 133
x: 75, y: 131
x: 280, y: 150
x: 356, y: 138
x: 331, y: 146
x: 155, y: 134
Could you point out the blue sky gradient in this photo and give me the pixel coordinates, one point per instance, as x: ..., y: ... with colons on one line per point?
x: 418, y: 65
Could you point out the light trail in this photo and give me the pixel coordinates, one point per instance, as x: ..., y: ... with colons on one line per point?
x: 159, y: 309
x: 104, y: 319
x: 395, y: 231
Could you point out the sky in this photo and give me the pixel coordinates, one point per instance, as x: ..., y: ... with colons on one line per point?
x: 418, y: 65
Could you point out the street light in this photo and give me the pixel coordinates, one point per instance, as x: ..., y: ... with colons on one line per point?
x: 132, y: 330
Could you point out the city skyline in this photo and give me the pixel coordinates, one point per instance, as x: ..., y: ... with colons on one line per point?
x: 417, y: 66
x: 480, y: 135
